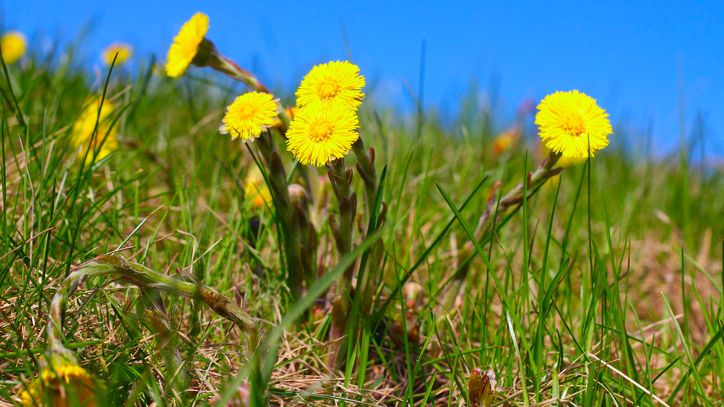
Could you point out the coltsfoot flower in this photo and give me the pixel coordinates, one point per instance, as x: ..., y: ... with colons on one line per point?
x: 258, y: 193
x: 13, y: 45
x: 249, y: 115
x: 124, y: 51
x: 186, y: 45
x: 255, y: 189
x: 322, y: 132
x: 63, y: 385
x: 82, y: 134
x: 337, y: 81
x: 506, y: 140
x: 568, y: 120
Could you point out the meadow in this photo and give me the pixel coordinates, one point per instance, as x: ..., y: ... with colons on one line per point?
x: 155, y: 251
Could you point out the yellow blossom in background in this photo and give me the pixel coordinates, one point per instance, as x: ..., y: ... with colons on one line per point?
x: 83, y: 137
x: 186, y: 44
x: 336, y: 81
x: 249, y: 115
x: 507, y: 139
x: 64, y: 385
x: 322, y: 132
x: 13, y: 46
x: 255, y: 189
x: 568, y: 120
x: 291, y: 111
x: 123, y: 50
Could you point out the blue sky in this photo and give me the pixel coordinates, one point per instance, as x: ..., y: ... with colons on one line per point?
x: 636, y: 58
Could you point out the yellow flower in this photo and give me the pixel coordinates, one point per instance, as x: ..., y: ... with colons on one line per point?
x: 63, y: 385
x: 255, y: 189
x: 123, y: 50
x: 505, y: 140
x: 249, y: 115
x: 336, y: 81
x: 322, y: 132
x: 186, y: 44
x: 13, y: 46
x: 568, y: 120
x: 83, y: 135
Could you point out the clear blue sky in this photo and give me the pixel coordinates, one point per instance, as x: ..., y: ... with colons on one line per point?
x: 633, y: 56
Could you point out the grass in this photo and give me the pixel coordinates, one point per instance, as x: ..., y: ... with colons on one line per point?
x: 602, y: 289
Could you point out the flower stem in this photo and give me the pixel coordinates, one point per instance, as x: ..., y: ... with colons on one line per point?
x: 144, y: 278
x: 343, y: 228
x: 233, y: 70
x: 512, y: 199
x: 343, y: 231
x: 288, y: 219
x: 224, y: 64
x: 366, y: 169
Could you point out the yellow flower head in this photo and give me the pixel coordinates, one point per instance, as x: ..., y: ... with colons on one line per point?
x: 322, y: 132
x: 186, y: 44
x: 505, y: 140
x: 83, y: 135
x: 336, y: 81
x: 13, y: 46
x: 63, y: 385
x: 249, y: 115
x: 123, y: 50
x: 255, y: 189
x: 568, y: 120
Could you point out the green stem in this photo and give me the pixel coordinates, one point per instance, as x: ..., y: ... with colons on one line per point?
x: 343, y: 229
x: 366, y: 169
x: 54, y: 331
x: 513, y: 198
x: 290, y: 222
x: 142, y: 277
x: 340, y: 178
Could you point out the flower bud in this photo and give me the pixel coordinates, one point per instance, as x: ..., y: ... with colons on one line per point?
x: 481, y: 387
